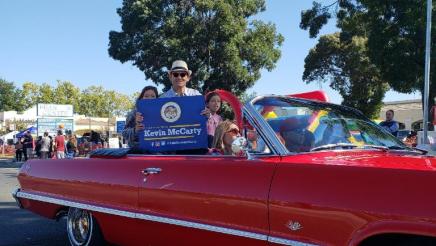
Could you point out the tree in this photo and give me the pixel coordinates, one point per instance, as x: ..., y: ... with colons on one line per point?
x: 10, y: 97
x: 67, y: 93
x: 395, y: 32
x: 92, y: 102
x: 30, y: 94
x: 348, y: 70
x: 96, y: 101
x: 222, y: 47
x: 46, y: 94
x: 122, y: 104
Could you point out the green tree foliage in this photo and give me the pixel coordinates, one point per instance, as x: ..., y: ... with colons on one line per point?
x: 30, y: 93
x: 223, y: 46
x: 64, y: 93
x: 10, y: 97
x: 96, y: 101
x: 93, y: 101
x: 396, y: 37
x: 342, y: 59
x: 117, y: 103
x: 67, y: 93
x: 46, y: 94
x: 346, y: 67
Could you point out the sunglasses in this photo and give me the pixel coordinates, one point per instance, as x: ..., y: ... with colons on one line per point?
x: 182, y: 75
x: 233, y: 131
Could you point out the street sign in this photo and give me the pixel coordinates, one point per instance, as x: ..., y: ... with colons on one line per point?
x: 120, y: 125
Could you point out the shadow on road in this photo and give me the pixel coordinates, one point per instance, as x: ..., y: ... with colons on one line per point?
x: 21, y: 227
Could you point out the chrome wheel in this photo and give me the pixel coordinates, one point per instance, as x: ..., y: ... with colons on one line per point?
x: 79, y: 226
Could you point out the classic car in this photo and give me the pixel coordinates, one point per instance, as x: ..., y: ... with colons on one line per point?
x: 312, y: 173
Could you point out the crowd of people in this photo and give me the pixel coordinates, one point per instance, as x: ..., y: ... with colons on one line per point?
x: 46, y: 147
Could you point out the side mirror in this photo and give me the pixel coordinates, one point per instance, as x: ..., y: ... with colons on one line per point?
x: 239, y: 146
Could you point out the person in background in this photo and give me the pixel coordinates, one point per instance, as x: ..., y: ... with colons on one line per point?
x: 225, y: 134
x: 86, y: 146
x: 120, y: 143
x: 213, y: 103
x: 19, y: 150
x: 390, y: 124
x: 38, y: 147
x: 71, y: 146
x: 27, y: 145
x: 51, y: 148
x: 134, y: 119
x: 411, y: 139
x: 60, y: 145
x: 45, y: 146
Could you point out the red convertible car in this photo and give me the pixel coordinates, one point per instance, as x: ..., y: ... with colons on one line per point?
x: 313, y: 173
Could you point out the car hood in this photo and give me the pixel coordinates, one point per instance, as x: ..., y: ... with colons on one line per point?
x: 366, y: 158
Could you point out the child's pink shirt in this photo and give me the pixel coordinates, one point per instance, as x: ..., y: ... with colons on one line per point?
x: 212, y: 123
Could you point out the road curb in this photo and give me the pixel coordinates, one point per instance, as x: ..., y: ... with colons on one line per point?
x: 9, y: 163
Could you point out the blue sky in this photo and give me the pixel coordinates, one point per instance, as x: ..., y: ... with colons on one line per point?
x: 45, y: 41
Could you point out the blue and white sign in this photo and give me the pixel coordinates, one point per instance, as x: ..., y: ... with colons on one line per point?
x: 121, y: 124
x: 52, y: 125
x: 173, y: 123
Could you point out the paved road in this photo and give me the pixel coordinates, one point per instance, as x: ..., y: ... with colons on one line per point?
x: 21, y: 227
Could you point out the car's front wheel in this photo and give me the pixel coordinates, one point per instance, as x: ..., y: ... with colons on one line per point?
x: 82, y: 229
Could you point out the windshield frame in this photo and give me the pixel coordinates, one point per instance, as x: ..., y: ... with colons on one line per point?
x: 274, y: 139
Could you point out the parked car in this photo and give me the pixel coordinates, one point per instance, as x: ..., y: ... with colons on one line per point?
x: 320, y: 174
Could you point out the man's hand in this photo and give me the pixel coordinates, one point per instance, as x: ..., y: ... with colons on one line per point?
x: 138, y: 122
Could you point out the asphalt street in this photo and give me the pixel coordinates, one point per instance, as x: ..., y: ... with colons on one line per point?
x: 21, y: 227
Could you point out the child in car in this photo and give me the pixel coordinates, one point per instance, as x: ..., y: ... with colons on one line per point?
x: 213, y: 103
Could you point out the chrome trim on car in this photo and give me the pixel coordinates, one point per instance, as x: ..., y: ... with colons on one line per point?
x: 288, y: 242
x: 264, y: 129
x: 195, y: 225
x: 203, y: 226
x: 62, y: 202
x: 14, y: 195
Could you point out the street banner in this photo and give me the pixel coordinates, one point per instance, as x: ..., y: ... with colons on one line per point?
x: 173, y: 123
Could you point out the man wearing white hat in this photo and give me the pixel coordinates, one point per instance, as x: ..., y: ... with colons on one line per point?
x: 180, y: 76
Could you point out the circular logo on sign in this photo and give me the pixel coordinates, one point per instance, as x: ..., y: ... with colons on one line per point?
x: 170, y: 112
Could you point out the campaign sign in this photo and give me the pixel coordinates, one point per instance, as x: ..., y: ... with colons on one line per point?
x: 173, y: 123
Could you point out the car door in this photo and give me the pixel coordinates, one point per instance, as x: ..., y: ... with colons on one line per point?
x: 205, y: 200
x: 311, y: 203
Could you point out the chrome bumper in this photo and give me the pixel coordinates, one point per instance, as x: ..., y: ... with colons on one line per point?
x: 14, y: 195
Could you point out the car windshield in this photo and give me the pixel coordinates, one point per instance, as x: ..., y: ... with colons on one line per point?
x: 303, y: 126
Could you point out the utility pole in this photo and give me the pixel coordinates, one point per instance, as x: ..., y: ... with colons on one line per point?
x: 427, y: 70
